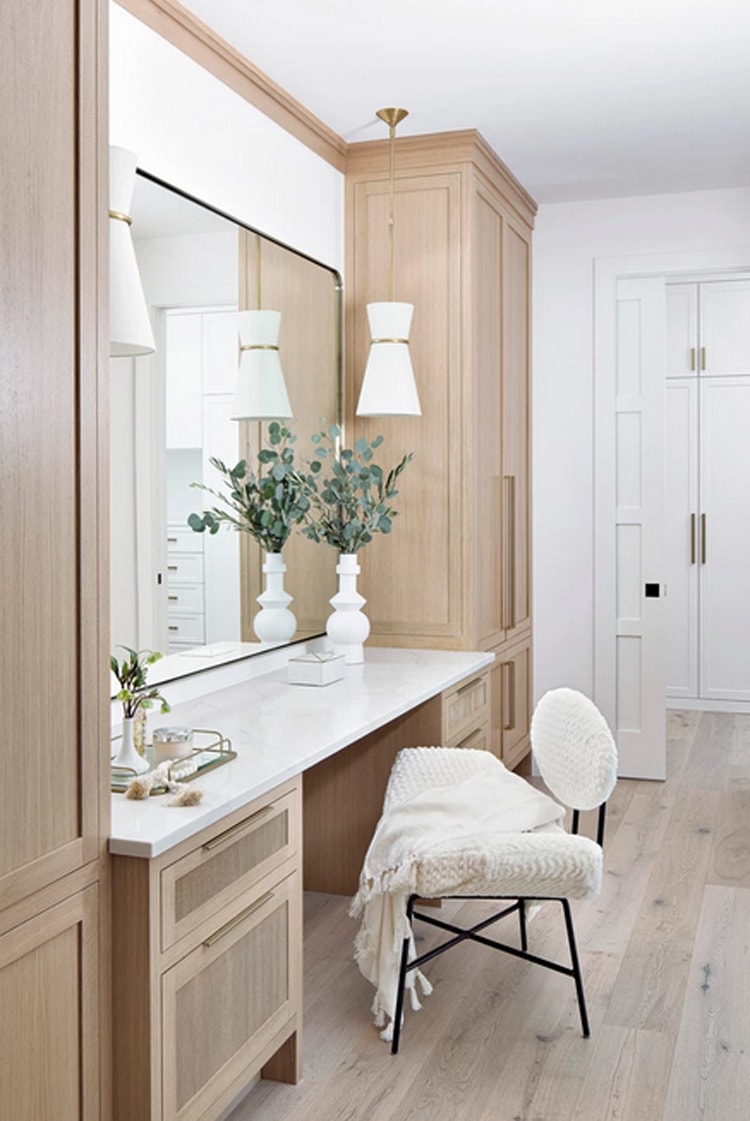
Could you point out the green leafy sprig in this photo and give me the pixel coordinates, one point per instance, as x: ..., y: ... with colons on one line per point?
x: 267, y: 505
x: 135, y: 692
x: 350, y: 495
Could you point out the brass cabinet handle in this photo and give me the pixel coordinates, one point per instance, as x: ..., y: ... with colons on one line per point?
x: 692, y: 357
x: 471, y: 736
x: 509, y: 693
x: 703, y: 357
x: 240, y: 827
x: 692, y: 538
x: 171, y: 568
x: 703, y: 538
x: 173, y: 628
x: 172, y: 540
x: 225, y: 929
x: 173, y: 599
x: 509, y: 482
x: 469, y: 685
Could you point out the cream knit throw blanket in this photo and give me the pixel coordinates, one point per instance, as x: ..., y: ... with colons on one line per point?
x: 439, y: 841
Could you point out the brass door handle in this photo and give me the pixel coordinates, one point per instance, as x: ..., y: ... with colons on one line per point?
x: 509, y: 694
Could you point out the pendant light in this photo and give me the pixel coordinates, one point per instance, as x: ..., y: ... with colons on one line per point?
x: 130, y: 332
x: 388, y: 386
x: 261, y: 391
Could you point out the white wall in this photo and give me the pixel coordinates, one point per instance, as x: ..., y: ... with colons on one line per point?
x: 191, y: 130
x: 569, y: 238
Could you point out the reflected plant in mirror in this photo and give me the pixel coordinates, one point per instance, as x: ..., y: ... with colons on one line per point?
x: 267, y: 505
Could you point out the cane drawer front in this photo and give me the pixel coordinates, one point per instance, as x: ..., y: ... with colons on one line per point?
x: 478, y: 739
x: 226, y: 1001
x: 465, y: 707
x: 227, y: 865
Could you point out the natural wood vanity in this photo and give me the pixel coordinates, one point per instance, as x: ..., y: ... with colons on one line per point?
x: 207, y: 931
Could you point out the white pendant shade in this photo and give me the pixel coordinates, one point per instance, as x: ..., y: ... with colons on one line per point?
x: 389, y: 387
x: 130, y: 331
x: 261, y: 391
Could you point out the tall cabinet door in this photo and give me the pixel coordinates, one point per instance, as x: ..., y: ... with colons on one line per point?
x: 681, y: 535
x: 53, y: 670
x: 725, y: 542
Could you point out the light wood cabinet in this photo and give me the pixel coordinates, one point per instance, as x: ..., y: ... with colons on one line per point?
x: 207, y: 943
x: 53, y: 232
x: 455, y: 572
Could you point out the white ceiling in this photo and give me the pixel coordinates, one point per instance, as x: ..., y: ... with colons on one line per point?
x: 581, y: 98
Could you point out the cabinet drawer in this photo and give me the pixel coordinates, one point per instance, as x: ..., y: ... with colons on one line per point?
x: 477, y: 738
x: 185, y: 568
x: 226, y: 866
x: 186, y: 630
x: 185, y: 597
x: 465, y: 706
x: 183, y: 540
x: 225, y: 1001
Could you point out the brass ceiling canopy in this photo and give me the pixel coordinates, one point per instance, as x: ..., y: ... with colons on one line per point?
x: 392, y: 117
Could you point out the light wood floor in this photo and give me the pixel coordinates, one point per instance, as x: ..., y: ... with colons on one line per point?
x: 666, y: 958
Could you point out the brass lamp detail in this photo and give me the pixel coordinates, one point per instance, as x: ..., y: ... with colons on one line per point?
x: 388, y: 386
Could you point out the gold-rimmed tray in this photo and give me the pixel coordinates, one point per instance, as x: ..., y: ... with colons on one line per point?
x: 206, y: 756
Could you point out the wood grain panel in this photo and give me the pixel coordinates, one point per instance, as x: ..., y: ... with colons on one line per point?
x: 51, y: 229
x: 49, y: 1046
x: 427, y: 264
x: 516, y: 411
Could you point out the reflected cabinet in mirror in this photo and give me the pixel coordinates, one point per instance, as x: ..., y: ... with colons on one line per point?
x: 173, y: 589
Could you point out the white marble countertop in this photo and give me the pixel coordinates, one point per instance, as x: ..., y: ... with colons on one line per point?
x: 279, y: 730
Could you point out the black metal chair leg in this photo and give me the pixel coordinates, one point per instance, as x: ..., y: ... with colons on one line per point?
x: 522, y: 924
x: 576, y: 968
x: 399, y: 1009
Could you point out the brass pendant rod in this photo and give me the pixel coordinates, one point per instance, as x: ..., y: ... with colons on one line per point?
x: 392, y: 117
x: 257, y: 269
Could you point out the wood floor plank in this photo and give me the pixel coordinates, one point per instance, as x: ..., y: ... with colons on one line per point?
x: 652, y: 979
x: 710, y: 1079
x: 627, y: 1076
x: 710, y: 751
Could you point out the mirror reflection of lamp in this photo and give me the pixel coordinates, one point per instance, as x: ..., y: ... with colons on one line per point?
x: 261, y: 390
x: 388, y: 386
x: 130, y: 332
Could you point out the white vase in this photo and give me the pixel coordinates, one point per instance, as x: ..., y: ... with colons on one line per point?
x: 348, y: 627
x: 274, y: 622
x: 127, y: 757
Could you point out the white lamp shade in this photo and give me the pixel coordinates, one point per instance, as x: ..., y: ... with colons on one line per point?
x: 388, y: 387
x: 261, y: 391
x: 130, y: 331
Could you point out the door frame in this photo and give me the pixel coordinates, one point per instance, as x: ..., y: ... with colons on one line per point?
x: 607, y: 272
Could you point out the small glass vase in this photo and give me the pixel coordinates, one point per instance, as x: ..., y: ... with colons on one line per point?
x: 348, y: 627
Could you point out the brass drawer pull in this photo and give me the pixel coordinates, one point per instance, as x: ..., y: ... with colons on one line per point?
x: 510, y: 695
x: 172, y: 540
x: 469, y: 685
x: 471, y: 736
x: 240, y: 827
x: 225, y: 929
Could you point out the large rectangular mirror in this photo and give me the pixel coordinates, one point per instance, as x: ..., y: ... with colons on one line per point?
x: 187, y: 594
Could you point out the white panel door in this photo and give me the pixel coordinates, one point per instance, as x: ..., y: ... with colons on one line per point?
x: 682, y: 330
x: 725, y: 542
x: 681, y: 529
x: 639, y: 528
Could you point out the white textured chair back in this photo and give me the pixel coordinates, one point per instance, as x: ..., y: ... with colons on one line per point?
x: 574, y: 749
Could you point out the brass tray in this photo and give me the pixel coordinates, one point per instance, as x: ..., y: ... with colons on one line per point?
x: 207, y: 756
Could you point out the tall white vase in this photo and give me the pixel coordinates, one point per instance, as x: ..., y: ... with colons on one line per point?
x: 348, y: 627
x: 127, y: 757
x: 274, y: 622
